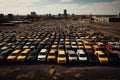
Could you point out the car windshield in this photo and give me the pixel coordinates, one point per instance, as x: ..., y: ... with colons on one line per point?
x: 82, y: 55
x: 91, y: 55
x: 73, y: 55
x: 113, y: 55
x: 14, y: 54
x: 3, y: 54
x: 116, y: 49
x: 52, y: 54
x: 23, y: 54
x: 102, y: 56
x: 62, y: 55
x: 32, y: 54
x: 42, y: 53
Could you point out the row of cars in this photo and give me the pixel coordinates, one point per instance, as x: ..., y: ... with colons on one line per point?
x: 58, y: 41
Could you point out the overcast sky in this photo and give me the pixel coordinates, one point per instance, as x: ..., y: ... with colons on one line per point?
x: 57, y: 6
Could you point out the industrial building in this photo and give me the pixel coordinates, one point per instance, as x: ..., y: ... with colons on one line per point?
x: 107, y: 18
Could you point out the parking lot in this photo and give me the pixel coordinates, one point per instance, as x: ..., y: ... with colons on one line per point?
x: 58, y: 42
x: 58, y: 50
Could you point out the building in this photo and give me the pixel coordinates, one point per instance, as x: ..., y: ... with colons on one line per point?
x: 106, y: 18
x: 1, y: 16
x: 65, y: 12
x: 10, y: 16
x: 119, y: 15
x: 33, y: 13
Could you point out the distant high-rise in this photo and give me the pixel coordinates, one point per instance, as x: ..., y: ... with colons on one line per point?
x: 90, y: 16
x: 119, y: 15
x: 10, y: 16
x: 33, y: 13
x: 1, y: 15
x: 65, y: 12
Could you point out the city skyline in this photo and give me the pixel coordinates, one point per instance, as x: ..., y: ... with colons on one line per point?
x: 57, y: 6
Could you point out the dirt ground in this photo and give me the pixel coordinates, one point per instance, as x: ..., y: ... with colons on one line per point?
x: 112, y: 28
x: 58, y: 72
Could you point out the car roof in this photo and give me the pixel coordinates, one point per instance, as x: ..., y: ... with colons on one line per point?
x: 52, y: 51
x: 71, y: 51
x: 16, y: 51
x: 81, y: 51
x: 61, y: 52
x: 99, y: 52
x: 43, y: 50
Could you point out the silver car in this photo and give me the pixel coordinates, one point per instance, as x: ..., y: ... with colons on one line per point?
x: 72, y: 56
x: 42, y: 55
x: 81, y: 55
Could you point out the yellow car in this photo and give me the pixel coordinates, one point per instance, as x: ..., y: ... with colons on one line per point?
x: 101, y: 37
x: 22, y: 56
x: 52, y: 55
x: 54, y: 46
x: 103, y: 59
x: 67, y: 42
x: 13, y: 55
x: 87, y: 47
x: 85, y: 42
x: 2, y: 44
x: 80, y: 43
x: 61, y: 57
x: 100, y: 43
x: 55, y: 43
x: 80, y: 46
x: 67, y: 39
x: 95, y: 47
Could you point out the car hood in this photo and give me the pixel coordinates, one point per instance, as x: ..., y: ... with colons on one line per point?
x: 59, y: 58
x: 103, y: 59
x: 41, y: 56
x: 118, y: 52
x: 21, y: 57
x: 11, y: 57
x: 51, y: 57
x: 82, y: 58
x: 72, y: 58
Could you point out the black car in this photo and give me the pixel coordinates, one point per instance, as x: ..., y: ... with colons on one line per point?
x: 19, y: 46
x: 91, y: 57
x: 4, y: 54
x: 41, y: 45
x: 32, y: 56
x: 113, y: 57
x: 61, y: 46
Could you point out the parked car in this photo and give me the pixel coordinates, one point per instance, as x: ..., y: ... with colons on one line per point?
x: 72, y: 56
x: 32, y: 56
x: 23, y: 55
x: 87, y: 46
x: 42, y: 55
x: 51, y: 55
x: 103, y: 59
x: 4, y: 54
x: 92, y: 58
x: 74, y: 45
x: 61, y: 57
x: 12, y: 57
x: 113, y: 57
x: 81, y: 55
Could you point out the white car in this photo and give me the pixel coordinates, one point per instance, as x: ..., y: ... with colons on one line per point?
x: 42, y: 55
x: 72, y: 56
x: 81, y: 55
x: 73, y: 44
